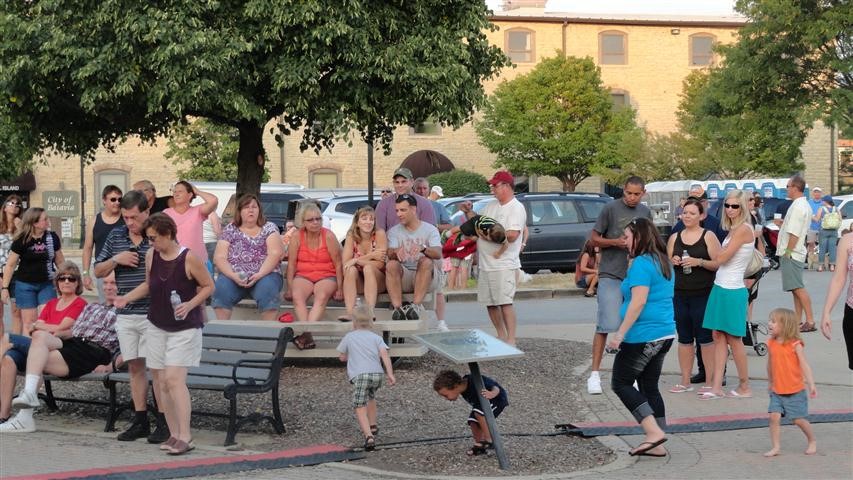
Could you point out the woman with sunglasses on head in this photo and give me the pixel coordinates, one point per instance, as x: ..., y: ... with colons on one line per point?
x: 364, y: 255
x: 645, y: 334
x: 190, y: 218
x: 10, y: 222
x: 57, y: 317
x: 314, y: 269
x: 35, y: 253
x: 97, y: 231
x: 726, y: 312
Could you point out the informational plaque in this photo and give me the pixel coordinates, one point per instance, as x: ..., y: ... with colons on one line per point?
x: 466, y: 346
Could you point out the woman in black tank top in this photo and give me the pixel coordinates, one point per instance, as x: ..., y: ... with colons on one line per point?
x: 693, y: 282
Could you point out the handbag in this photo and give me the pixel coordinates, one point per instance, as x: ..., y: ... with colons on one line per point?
x: 756, y: 263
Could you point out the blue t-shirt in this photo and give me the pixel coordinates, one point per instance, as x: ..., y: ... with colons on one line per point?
x: 815, y: 204
x: 657, y: 320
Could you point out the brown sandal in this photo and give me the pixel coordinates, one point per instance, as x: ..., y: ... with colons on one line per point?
x: 304, y: 341
x: 181, y: 447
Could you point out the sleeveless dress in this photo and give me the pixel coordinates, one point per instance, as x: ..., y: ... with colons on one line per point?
x: 727, y: 304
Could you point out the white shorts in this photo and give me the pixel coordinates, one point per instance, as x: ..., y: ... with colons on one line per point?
x: 408, y: 280
x: 131, y: 330
x: 173, y: 349
x: 496, y: 287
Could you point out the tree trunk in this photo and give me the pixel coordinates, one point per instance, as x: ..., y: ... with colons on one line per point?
x: 250, y: 159
x: 569, y: 184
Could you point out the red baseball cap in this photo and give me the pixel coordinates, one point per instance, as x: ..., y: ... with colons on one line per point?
x: 502, y: 177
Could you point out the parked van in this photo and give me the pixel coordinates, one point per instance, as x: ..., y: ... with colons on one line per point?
x: 224, y: 190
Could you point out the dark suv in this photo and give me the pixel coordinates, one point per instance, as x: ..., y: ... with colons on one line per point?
x: 559, y: 224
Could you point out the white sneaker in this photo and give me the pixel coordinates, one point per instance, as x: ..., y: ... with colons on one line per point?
x: 26, y: 399
x: 19, y: 424
x: 442, y: 326
x: 593, y: 384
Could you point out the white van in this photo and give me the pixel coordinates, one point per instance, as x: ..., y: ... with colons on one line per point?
x: 224, y: 190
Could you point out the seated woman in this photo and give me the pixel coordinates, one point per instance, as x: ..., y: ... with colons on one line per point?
x: 57, y: 318
x: 586, y: 270
x: 364, y: 260
x: 248, y: 258
x: 314, y: 269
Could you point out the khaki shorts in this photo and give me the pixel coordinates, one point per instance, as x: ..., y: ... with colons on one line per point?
x: 792, y: 273
x: 172, y: 349
x: 131, y: 330
x: 496, y: 287
x: 408, y: 280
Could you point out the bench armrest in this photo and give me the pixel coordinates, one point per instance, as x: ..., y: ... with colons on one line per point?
x: 248, y: 362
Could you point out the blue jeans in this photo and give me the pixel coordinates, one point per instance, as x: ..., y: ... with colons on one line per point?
x: 31, y: 295
x: 828, y: 243
x: 265, y: 292
x: 640, y: 362
x: 19, y: 350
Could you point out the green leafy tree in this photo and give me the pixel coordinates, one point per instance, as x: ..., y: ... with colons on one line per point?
x: 795, y: 55
x: 206, y: 150
x: 558, y: 120
x: 460, y: 182
x: 79, y: 74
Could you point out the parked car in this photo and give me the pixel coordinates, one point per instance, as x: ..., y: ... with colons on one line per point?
x: 338, y: 212
x: 273, y: 204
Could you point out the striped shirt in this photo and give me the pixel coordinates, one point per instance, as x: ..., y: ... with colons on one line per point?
x: 97, y: 324
x: 127, y: 278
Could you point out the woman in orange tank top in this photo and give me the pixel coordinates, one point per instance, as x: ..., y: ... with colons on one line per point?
x: 314, y: 268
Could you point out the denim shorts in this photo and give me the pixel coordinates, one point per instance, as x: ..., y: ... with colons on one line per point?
x: 19, y: 350
x: 609, y: 303
x: 31, y: 295
x: 266, y: 292
x: 793, y: 406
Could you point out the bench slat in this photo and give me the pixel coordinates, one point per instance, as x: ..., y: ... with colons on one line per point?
x: 267, y: 330
x: 239, y: 344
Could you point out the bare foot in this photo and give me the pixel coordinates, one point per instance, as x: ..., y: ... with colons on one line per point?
x: 812, y: 448
x: 772, y: 452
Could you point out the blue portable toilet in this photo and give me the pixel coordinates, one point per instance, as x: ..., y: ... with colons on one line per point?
x: 749, y: 187
x: 713, y: 191
x: 768, y: 190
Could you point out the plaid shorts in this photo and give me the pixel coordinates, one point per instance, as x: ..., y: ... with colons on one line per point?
x: 364, y: 388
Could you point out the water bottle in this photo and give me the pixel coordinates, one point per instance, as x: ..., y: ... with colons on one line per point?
x: 241, y: 274
x: 176, y: 300
x: 686, y: 269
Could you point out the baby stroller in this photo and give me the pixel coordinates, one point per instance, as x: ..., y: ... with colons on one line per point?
x: 753, y: 329
x: 771, y: 236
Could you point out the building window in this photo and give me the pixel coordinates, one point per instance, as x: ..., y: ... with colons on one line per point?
x: 519, y: 45
x: 613, y: 48
x: 426, y: 128
x: 701, y: 50
x: 324, y: 178
x: 619, y: 98
x: 104, y: 178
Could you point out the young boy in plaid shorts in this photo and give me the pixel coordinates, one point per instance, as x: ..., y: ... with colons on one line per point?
x: 365, y: 352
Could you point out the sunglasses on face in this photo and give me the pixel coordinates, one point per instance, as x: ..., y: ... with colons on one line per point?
x: 386, y: 191
x: 13, y: 204
x: 733, y: 206
x: 66, y: 278
x: 114, y: 199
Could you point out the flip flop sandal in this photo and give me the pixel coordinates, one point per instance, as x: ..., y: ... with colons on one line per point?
x: 476, y: 449
x: 646, y: 446
x: 369, y: 444
x: 345, y: 318
x: 656, y: 455
x: 679, y: 388
x: 286, y: 317
x: 710, y: 396
x: 734, y: 394
x: 806, y: 328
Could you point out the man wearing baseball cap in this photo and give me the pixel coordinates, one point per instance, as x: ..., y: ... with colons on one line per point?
x: 386, y: 216
x: 814, y: 227
x: 497, y: 280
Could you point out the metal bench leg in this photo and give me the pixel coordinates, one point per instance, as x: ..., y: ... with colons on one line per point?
x: 278, y: 423
x: 112, y: 413
x: 49, y: 399
x: 232, y: 422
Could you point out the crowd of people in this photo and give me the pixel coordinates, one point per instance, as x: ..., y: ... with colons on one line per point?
x: 696, y: 289
x: 154, y: 276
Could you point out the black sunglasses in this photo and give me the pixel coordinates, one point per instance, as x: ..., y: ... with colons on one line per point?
x: 733, y: 206
x: 114, y: 199
x: 66, y: 278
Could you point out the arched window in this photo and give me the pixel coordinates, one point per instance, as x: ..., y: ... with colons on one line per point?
x: 519, y: 45
x: 701, y: 49
x: 613, y: 48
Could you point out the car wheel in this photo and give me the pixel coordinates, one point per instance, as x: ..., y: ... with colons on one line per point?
x: 561, y: 270
x: 530, y: 271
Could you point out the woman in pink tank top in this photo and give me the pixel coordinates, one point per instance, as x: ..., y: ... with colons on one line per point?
x: 844, y: 261
x: 364, y: 260
x: 189, y: 219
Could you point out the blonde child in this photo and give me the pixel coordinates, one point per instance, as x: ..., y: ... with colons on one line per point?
x: 365, y: 352
x: 788, y: 373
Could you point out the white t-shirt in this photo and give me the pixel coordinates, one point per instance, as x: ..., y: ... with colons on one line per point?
x: 796, y: 222
x: 409, y: 243
x: 513, y: 217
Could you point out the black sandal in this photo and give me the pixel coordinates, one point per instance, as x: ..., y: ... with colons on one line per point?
x: 477, y: 449
x: 369, y: 444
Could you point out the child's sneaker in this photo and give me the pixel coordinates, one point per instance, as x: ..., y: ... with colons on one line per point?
x: 593, y: 384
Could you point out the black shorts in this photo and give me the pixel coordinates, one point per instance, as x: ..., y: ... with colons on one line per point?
x: 82, y: 356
